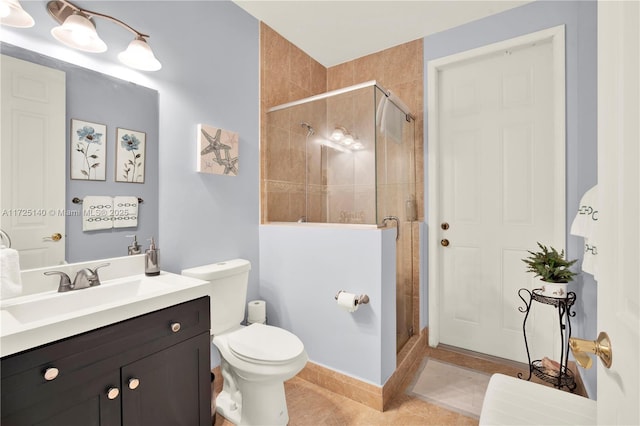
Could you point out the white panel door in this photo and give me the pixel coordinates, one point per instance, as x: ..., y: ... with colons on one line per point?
x: 499, y: 167
x: 618, y: 269
x: 33, y: 161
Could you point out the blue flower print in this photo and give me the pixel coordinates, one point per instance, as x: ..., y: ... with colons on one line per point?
x: 86, y: 137
x: 89, y: 135
x: 131, y: 143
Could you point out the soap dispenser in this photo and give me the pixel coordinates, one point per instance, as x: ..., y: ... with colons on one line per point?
x: 152, y: 260
x: 134, y: 248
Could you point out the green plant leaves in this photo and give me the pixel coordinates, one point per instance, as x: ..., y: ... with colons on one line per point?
x: 550, y: 265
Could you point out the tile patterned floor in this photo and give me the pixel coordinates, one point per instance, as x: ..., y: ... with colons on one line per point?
x: 313, y: 405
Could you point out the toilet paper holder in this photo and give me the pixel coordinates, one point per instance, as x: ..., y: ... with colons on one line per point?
x: 363, y: 299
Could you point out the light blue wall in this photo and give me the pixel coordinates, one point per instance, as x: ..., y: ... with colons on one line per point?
x: 212, y: 77
x: 302, y: 269
x: 579, y: 18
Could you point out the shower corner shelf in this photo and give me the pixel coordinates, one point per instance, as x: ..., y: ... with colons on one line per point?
x: 563, y: 377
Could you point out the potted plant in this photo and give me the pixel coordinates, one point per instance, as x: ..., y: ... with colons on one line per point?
x: 553, y: 270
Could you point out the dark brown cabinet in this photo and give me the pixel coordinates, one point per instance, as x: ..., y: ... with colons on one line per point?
x: 148, y: 370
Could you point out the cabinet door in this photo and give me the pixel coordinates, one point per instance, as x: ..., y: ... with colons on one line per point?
x: 87, y: 403
x: 170, y: 387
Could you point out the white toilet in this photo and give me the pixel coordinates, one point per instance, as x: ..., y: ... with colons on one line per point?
x: 255, y: 360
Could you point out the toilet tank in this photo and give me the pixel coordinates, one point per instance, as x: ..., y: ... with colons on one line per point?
x: 229, y: 280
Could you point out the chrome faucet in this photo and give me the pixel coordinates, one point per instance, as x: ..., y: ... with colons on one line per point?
x: 84, y: 278
x: 65, y: 281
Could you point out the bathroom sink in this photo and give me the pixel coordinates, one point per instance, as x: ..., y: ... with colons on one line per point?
x: 40, y: 318
x: 52, y: 304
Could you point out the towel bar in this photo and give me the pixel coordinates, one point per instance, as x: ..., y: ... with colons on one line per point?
x: 77, y: 200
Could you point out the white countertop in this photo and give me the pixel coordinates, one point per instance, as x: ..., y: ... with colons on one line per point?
x: 35, y: 319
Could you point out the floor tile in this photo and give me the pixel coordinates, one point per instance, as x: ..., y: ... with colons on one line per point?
x: 312, y: 405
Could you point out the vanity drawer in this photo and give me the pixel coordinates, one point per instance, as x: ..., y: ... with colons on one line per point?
x: 139, y: 335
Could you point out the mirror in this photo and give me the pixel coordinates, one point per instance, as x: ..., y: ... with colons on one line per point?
x: 103, y: 99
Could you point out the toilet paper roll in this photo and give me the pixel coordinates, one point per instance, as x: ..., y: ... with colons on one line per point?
x: 348, y: 301
x: 257, y: 311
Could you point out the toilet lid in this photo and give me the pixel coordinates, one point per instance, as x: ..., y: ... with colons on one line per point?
x: 264, y: 343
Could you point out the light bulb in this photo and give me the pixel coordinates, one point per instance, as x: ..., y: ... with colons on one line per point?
x: 5, y: 10
x: 79, y: 32
x: 140, y: 56
x: 337, y: 134
x: 13, y: 15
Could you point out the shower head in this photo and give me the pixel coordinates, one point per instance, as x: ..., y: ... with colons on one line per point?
x: 308, y: 127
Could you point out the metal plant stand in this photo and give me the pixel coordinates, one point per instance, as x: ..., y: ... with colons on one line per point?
x: 564, y: 377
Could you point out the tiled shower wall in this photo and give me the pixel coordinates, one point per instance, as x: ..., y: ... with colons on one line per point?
x: 400, y: 70
x: 287, y: 74
x: 351, y: 176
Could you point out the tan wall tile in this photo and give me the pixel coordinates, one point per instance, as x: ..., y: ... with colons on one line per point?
x: 340, y: 76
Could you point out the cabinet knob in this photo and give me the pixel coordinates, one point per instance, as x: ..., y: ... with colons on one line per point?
x: 51, y: 373
x: 444, y: 225
x: 112, y: 393
x: 134, y: 383
x: 175, y: 327
x: 444, y: 242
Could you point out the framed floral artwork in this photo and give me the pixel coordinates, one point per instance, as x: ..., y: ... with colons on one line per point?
x: 217, y: 151
x: 130, y: 155
x: 88, y: 150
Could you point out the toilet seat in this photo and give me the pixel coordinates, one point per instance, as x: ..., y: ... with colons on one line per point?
x: 264, y: 344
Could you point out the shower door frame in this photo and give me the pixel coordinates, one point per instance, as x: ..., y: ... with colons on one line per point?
x: 390, y: 96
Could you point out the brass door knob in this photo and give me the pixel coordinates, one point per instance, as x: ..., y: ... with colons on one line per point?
x: 134, y: 383
x: 601, y: 347
x: 444, y: 242
x: 112, y: 393
x: 54, y: 237
x: 51, y: 373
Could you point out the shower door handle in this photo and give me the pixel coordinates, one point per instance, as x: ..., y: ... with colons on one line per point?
x: 396, y: 220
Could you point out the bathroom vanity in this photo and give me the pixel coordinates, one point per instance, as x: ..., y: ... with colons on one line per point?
x: 132, y: 350
x: 149, y: 370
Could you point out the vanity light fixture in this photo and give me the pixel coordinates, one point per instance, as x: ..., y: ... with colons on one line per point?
x: 78, y: 30
x: 13, y: 15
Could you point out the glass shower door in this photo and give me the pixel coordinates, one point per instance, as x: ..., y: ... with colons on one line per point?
x: 396, y: 186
